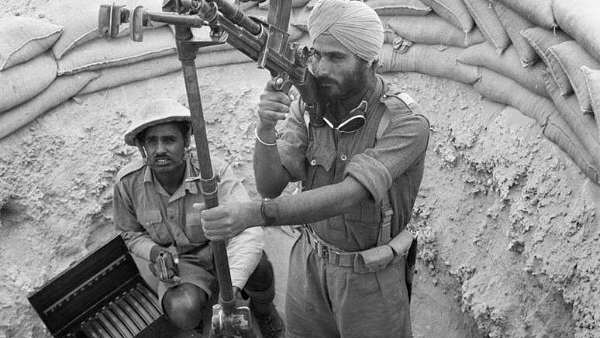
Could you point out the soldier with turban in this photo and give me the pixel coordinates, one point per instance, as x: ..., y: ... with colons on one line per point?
x: 360, y: 166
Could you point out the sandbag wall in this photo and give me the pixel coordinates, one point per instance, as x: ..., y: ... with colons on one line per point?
x: 48, y: 60
x: 539, y: 56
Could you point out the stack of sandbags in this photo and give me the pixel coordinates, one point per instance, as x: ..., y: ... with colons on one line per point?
x: 46, y: 62
x: 510, y: 50
x: 540, y: 56
x: 28, y: 72
x: 80, y: 48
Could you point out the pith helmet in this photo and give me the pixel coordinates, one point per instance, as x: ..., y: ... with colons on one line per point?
x: 154, y: 113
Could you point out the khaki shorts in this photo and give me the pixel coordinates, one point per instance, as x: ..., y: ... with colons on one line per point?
x: 197, y: 269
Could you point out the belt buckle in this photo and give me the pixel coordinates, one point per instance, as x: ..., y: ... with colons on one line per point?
x: 323, y: 250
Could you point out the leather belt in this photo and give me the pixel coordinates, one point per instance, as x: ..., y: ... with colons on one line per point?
x: 332, y: 254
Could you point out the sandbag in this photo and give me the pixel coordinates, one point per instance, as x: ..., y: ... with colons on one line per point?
x: 23, y: 38
x: 454, y: 11
x: 399, y: 7
x: 431, y: 29
x: 428, y: 60
x: 537, y: 11
x: 311, y: 4
x: 557, y: 131
x: 103, y: 53
x: 79, y: 20
x: 540, y: 40
x: 62, y: 89
x: 116, y: 76
x: 245, y: 5
x: 24, y: 81
x: 513, y: 24
x: 295, y: 33
x: 569, y: 56
x: 592, y: 81
x: 507, y: 91
x: 299, y: 3
x: 299, y: 18
x: 264, y: 5
x: 488, y: 22
x: 223, y: 58
x: 582, y: 125
x: 400, y: 44
x: 507, y: 64
x: 581, y: 20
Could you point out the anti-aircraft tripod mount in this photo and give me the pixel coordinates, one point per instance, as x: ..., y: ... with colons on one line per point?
x: 266, y: 43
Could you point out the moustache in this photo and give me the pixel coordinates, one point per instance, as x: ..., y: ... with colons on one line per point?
x: 162, y: 157
x: 325, y: 81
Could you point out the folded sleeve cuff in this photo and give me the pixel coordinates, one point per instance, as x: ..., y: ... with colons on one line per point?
x: 372, y: 174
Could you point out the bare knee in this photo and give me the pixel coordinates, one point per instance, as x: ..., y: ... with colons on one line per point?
x: 184, y: 305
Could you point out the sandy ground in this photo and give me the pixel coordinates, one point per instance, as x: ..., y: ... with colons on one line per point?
x: 508, y: 225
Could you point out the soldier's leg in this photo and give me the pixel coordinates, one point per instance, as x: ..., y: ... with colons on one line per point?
x: 371, y: 304
x: 184, y: 305
x: 260, y: 287
x: 307, y: 308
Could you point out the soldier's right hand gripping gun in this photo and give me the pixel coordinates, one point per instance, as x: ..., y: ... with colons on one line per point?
x: 267, y: 43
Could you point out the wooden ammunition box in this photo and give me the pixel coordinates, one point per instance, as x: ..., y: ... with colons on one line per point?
x: 102, y: 295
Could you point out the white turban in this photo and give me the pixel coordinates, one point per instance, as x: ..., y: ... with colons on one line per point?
x: 353, y: 23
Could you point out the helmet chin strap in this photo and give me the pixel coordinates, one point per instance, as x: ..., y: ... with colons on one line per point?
x: 142, y: 150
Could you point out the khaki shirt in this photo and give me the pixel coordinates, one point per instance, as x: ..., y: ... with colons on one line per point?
x: 394, y: 163
x: 146, y: 215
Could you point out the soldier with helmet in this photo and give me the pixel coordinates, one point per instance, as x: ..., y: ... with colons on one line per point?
x: 153, y: 208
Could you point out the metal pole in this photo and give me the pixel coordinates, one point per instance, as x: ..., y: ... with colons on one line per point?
x: 187, y: 56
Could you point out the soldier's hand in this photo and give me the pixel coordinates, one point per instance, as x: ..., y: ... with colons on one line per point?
x: 274, y: 106
x: 226, y: 221
x: 165, y: 267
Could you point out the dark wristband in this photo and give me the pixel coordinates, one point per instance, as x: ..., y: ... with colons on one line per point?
x: 269, y: 221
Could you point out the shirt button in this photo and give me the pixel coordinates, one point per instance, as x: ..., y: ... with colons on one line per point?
x: 343, y: 157
x: 313, y: 162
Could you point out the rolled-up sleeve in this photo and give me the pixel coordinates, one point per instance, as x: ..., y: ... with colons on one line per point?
x: 244, y: 250
x: 133, y: 233
x: 401, y: 145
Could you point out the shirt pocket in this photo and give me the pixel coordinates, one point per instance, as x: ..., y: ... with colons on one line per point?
x: 317, y: 154
x: 193, y: 228
x: 320, y: 162
x: 152, y: 222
